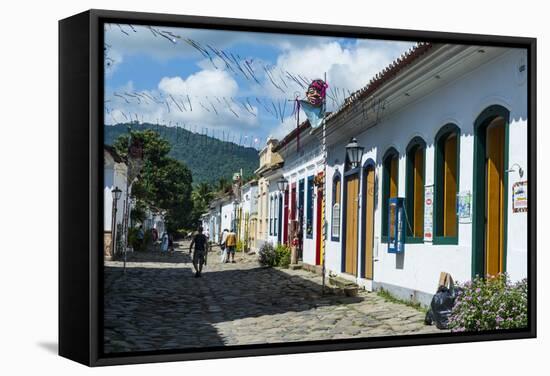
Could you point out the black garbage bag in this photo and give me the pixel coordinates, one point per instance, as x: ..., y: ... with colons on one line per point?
x: 441, y: 306
x: 428, y: 320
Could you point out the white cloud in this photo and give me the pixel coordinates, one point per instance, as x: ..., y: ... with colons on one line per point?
x: 349, y: 67
x: 125, y: 40
x: 284, y: 128
x: 213, y: 106
x: 203, y: 83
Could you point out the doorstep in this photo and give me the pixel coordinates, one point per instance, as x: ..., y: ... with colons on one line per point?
x: 317, y: 269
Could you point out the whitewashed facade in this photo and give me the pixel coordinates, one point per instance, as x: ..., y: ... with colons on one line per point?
x: 302, y: 156
x: 154, y: 220
x: 115, y: 173
x: 228, y: 213
x: 461, y: 88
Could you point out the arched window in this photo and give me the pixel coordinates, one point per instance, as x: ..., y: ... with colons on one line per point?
x: 390, y: 171
x: 414, y: 187
x: 447, y: 153
x: 336, y: 197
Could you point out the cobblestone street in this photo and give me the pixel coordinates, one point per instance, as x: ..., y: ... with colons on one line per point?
x: 158, y: 305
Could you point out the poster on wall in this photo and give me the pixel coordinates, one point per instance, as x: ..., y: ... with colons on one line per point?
x: 519, y: 197
x: 464, y: 207
x: 428, y: 212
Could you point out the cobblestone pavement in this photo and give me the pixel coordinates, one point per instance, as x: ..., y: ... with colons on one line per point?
x: 157, y: 304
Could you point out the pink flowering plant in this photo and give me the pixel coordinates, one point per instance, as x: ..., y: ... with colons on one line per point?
x: 489, y: 304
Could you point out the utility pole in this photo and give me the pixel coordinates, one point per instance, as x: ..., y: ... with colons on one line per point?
x: 324, y: 182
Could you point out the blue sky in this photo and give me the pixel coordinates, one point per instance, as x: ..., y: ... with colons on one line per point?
x: 156, y: 74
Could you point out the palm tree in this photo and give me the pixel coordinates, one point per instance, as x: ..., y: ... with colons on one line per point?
x: 202, y: 193
x: 223, y: 184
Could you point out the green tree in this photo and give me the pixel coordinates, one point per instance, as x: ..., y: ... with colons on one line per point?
x: 164, y: 182
x: 224, y: 185
x: 202, y: 195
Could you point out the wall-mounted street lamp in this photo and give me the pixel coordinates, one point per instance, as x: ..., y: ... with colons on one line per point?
x: 282, y: 184
x: 519, y: 169
x: 354, y: 152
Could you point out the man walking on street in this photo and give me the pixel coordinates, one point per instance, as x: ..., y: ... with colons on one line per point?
x: 230, y: 244
x: 201, y: 251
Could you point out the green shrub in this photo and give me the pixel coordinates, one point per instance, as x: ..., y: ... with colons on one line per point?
x: 147, y: 240
x: 488, y: 304
x: 282, y: 256
x: 133, y: 240
x: 266, y: 255
x: 119, y: 245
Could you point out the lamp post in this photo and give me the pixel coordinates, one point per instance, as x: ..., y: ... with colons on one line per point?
x: 116, y: 196
x: 354, y: 152
x: 282, y: 184
x: 235, y: 220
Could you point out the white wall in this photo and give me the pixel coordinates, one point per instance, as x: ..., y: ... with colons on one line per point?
x: 114, y: 176
x: 459, y: 102
x: 298, y: 166
x: 227, y: 215
x: 273, y: 214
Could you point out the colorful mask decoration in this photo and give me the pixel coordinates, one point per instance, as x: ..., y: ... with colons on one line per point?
x: 314, y: 105
x: 316, y: 92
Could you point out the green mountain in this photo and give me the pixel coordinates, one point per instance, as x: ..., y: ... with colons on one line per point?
x: 208, y: 158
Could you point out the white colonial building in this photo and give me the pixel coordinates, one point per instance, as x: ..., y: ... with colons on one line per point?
x: 296, y: 212
x: 115, y: 172
x: 445, y: 128
x: 444, y: 133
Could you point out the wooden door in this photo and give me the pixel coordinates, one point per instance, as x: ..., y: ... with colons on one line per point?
x: 352, y: 209
x: 369, y: 221
x: 494, y: 197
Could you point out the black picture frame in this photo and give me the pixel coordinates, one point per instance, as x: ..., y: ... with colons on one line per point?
x: 81, y: 175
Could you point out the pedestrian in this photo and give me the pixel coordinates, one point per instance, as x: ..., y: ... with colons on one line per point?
x: 140, y: 236
x: 231, y: 244
x: 201, y: 251
x: 223, y: 246
x: 171, y: 244
x: 165, y: 243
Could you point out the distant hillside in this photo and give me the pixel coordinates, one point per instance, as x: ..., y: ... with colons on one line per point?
x: 208, y: 158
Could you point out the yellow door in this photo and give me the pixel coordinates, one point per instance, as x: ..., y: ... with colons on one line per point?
x: 369, y: 222
x: 352, y: 208
x: 494, y: 175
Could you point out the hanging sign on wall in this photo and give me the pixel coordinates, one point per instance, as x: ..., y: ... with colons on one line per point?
x: 428, y: 212
x: 464, y: 207
x: 519, y: 197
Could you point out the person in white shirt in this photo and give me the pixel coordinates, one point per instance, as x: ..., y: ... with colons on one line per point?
x: 223, y: 246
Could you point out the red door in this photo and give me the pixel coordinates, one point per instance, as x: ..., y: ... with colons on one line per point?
x: 319, y: 226
x: 293, y: 202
